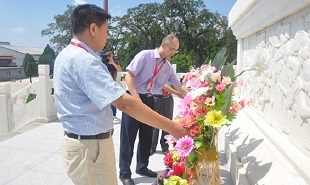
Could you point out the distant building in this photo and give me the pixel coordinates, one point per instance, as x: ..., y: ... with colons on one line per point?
x: 11, y: 60
x: 19, y: 52
x: 7, y: 61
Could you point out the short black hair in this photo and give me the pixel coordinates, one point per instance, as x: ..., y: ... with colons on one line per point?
x: 86, y: 14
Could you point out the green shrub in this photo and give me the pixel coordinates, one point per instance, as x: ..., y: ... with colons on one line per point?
x: 30, y: 97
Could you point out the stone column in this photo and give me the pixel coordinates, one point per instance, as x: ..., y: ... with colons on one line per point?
x: 5, y: 93
x: 44, y: 94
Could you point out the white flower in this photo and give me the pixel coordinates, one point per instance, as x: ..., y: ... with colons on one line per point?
x: 198, y: 92
x: 206, y: 74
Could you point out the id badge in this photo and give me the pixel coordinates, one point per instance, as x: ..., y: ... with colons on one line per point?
x: 149, y: 85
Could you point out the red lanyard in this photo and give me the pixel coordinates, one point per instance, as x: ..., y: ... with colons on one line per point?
x: 156, y: 70
x: 78, y: 45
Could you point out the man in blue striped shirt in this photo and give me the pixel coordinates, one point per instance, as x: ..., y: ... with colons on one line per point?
x: 84, y: 91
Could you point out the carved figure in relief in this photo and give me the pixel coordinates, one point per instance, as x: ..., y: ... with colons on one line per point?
x: 293, y: 68
x: 266, y: 94
x: 302, y: 99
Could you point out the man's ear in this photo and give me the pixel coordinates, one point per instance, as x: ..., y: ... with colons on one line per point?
x: 92, y: 28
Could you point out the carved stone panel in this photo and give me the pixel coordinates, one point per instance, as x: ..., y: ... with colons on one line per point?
x: 282, y: 92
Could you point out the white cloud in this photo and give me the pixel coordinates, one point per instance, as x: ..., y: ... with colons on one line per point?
x: 18, y: 30
x: 77, y: 2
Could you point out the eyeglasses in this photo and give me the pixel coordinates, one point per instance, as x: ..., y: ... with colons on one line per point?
x: 172, y: 49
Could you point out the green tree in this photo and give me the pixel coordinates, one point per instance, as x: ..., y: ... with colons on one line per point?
x: 60, y: 30
x: 201, y: 33
x: 48, y: 57
x: 183, y: 62
x: 30, y: 66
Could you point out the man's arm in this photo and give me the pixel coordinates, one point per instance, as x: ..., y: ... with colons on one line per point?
x: 138, y: 110
x: 116, y: 65
x: 130, y: 81
x: 181, y: 89
x: 172, y: 91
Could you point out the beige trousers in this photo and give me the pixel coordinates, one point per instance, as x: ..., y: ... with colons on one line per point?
x: 90, y: 162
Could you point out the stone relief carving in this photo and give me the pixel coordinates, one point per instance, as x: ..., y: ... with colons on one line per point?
x: 282, y: 93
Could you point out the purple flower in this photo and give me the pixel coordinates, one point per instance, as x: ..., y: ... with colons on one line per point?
x: 184, y: 146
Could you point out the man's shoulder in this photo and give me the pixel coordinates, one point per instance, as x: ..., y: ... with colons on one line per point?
x: 147, y: 52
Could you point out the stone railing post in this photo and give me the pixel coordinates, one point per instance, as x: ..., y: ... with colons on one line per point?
x: 5, y: 93
x: 44, y: 94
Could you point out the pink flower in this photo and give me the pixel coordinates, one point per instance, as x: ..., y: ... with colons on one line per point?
x: 235, y: 108
x: 200, y: 111
x: 168, y: 161
x: 193, y: 82
x: 236, y: 105
x: 184, y: 146
x: 195, y: 130
x: 185, y: 105
x: 242, y: 103
x: 220, y: 87
x: 187, y: 121
x: 203, y: 84
x: 170, y: 140
x: 200, y: 99
x: 192, y: 133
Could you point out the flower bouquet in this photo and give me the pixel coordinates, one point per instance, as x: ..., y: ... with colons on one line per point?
x: 208, y: 106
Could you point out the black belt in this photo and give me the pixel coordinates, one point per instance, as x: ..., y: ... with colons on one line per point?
x: 98, y: 136
x: 148, y: 95
x: 161, y: 96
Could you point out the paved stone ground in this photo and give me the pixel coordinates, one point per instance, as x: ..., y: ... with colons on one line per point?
x: 32, y: 154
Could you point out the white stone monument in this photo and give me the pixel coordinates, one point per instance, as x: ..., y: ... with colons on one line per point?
x: 276, y: 33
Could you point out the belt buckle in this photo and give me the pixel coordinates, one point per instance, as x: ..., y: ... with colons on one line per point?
x: 149, y: 95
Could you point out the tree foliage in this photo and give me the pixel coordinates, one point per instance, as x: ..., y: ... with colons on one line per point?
x: 30, y: 66
x: 60, y: 30
x: 48, y: 57
x: 201, y: 33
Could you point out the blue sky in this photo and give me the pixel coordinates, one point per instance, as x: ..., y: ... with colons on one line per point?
x: 21, y: 21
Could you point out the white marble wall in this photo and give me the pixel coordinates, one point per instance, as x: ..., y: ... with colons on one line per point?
x: 277, y: 32
x: 282, y: 93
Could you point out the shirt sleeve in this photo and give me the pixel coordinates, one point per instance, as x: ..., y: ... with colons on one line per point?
x: 137, y: 63
x: 173, y: 79
x: 94, y: 79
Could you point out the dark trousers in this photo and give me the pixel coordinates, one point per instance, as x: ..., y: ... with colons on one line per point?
x: 129, y: 130
x: 113, y: 110
x: 163, y: 106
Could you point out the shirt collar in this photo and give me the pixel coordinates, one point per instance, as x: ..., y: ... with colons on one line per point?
x: 157, y: 56
x: 86, y: 47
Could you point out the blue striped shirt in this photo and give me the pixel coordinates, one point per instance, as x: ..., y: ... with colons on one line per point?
x: 143, y: 66
x: 84, y: 90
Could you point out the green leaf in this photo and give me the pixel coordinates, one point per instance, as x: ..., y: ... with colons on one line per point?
x: 228, y: 95
x: 192, y: 156
x: 219, y: 59
x: 228, y: 70
x: 198, y: 144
